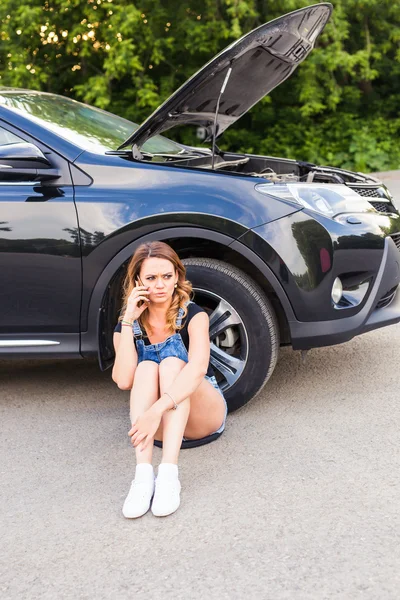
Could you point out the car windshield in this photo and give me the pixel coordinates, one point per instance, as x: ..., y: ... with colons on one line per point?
x: 86, y: 126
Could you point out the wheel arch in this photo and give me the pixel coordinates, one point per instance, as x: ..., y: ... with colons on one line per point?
x: 188, y: 242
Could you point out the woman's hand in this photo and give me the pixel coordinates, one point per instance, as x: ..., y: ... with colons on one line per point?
x: 144, y: 428
x: 138, y: 294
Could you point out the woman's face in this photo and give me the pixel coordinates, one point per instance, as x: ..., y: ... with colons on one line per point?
x: 160, y: 277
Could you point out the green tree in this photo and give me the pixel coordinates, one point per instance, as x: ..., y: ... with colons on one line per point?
x: 128, y: 57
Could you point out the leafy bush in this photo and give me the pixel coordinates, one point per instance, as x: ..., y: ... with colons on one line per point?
x: 341, y: 106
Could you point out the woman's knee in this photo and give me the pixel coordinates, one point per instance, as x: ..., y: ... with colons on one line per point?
x: 169, y: 368
x: 146, y: 369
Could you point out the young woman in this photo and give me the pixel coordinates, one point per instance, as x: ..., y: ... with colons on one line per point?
x: 162, y: 353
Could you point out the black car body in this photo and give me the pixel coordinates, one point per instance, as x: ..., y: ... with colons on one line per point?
x: 279, y: 251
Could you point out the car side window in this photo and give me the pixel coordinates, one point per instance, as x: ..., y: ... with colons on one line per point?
x: 8, y: 138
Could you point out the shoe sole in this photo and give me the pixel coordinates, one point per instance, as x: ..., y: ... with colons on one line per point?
x: 135, y: 516
x: 165, y: 514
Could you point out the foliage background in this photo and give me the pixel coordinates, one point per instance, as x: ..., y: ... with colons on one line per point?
x: 341, y: 107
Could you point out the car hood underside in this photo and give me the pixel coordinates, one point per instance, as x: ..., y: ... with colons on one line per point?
x: 259, y: 62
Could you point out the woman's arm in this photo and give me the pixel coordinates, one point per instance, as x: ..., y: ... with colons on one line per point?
x: 125, y: 358
x: 124, y: 344
x: 195, y: 370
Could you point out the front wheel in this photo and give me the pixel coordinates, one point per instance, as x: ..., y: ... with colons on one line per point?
x: 244, y: 333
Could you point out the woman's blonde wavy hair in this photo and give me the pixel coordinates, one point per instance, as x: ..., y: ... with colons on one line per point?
x: 181, y: 295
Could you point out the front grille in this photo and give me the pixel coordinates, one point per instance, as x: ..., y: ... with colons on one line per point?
x: 375, y: 192
x: 382, y: 207
x: 370, y: 192
x: 396, y: 238
x: 387, y: 298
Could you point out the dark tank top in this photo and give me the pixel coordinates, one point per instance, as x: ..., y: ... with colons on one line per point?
x: 193, y: 309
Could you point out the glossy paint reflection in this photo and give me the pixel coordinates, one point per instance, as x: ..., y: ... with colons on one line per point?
x: 319, y: 250
x: 129, y: 200
x: 40, y: 260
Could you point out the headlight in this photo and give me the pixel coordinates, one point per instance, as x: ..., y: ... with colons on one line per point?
x: 327, y: 199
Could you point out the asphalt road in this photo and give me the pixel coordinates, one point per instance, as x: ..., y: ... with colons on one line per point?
x: 299, y: 499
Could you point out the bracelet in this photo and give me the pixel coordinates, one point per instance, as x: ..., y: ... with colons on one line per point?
x: 127, y: 322
x: 126, y: 325
x: 175, y: 406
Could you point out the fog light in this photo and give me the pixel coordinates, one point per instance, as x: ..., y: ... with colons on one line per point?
x: 337, y: 290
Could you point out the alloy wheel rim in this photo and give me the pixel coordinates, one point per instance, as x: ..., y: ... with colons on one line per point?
x: 229, y: 347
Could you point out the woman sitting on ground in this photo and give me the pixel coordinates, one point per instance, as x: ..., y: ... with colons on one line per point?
x: 162, y: 353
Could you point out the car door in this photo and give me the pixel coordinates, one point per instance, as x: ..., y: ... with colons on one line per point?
x: 40, y: 258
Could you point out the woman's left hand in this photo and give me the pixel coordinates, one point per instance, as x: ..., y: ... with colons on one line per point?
x: 145, y: 427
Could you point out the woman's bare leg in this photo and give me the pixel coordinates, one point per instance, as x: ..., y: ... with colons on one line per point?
x: 144, y: 392
x: 173, y: 421
x: 206, y: 406
x: 207, y: 411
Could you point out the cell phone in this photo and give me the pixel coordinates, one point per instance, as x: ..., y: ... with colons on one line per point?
x: 140, y: 283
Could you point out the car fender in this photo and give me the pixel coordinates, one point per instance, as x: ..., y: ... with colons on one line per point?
x: 90, y: 342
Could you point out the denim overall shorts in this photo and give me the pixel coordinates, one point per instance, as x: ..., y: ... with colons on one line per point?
x: 173, y: 346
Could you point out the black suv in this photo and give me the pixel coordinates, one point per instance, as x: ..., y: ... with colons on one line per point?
x: 279, y: 251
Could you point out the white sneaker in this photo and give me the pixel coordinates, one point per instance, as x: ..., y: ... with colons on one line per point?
x: 138, y: 500
x: 166, y: 496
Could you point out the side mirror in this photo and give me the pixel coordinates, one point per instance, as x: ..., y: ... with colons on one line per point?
x: 25, y: 162
x: 22, y: 151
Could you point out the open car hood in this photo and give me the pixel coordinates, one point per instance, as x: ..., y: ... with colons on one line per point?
x: 260, y: 61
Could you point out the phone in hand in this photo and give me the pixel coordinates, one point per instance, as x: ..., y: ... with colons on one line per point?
x: 140, y: 282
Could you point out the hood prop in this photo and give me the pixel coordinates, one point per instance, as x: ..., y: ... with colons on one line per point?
x: 214, y: 133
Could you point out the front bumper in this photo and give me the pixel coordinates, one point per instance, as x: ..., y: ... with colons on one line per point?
x: 312, y: 334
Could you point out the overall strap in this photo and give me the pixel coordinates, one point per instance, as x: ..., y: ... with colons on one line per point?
x: 180, y: 314
x: 179, y: 317
x: 137, y: 332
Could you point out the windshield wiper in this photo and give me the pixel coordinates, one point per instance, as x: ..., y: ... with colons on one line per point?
x: 139, y: 155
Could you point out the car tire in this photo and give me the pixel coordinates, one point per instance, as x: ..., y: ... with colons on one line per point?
x: 244, y: 354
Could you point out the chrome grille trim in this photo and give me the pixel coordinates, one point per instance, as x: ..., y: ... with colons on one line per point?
x: 383, y: 205
x: 387, y: 298
x: 396, y: 238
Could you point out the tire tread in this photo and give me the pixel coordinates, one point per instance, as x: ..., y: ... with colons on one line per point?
x: 259, y: 296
